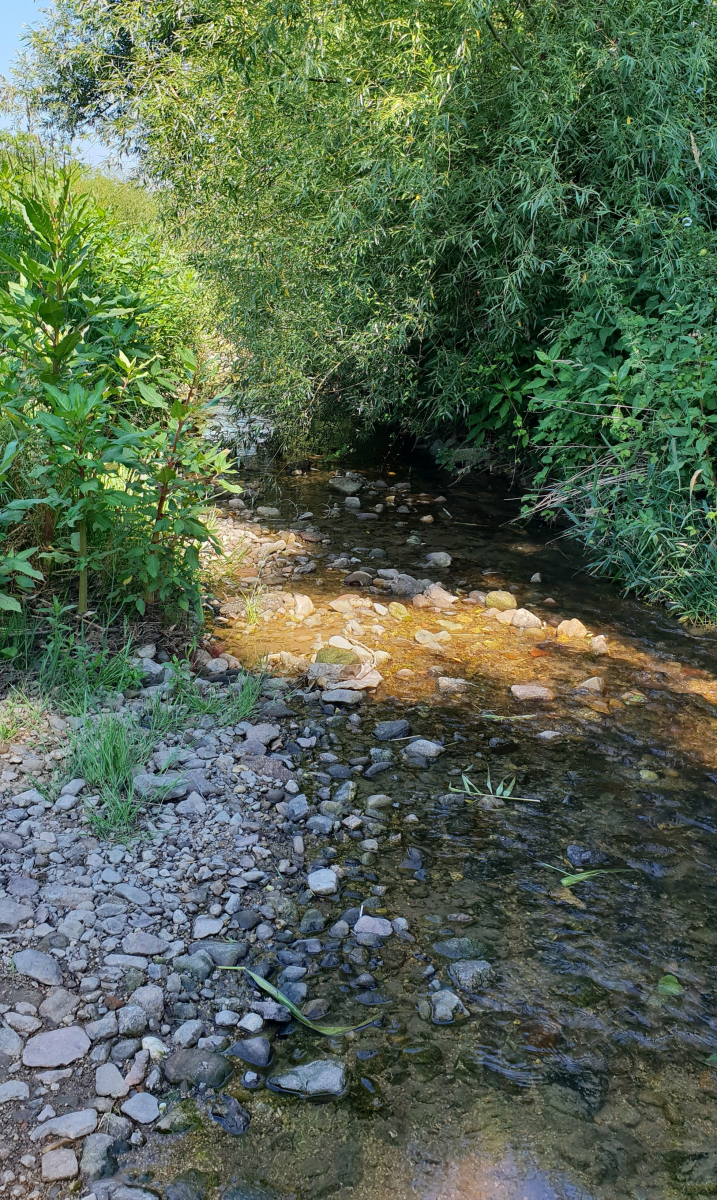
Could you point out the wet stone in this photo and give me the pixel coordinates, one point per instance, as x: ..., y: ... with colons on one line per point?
x: 197, y: 1066
x: 324, y: 1077
x: 470, y: 973
x: 456, y: 948
x: 389, y: 730
x: 256, y: 1051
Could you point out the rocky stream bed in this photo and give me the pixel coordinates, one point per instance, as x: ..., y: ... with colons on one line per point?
x: 523, y: 1037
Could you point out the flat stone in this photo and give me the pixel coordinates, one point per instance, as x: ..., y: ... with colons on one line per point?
x: 57, y: 1048
x: 70, y: 1125
x: 323, y: 1077
x: 387, y: 731
x: 135, y: 895
x: 342, y: 696
x: 109, y: 1081
x: 103, y: 1027
x: 470, y: 973
x: 596, y: 684
x: 197, y: 1066
x: 142, y: 1107
x: 347, y: 487
x: 59, y: 1164
x: 256, y: 1051
x: 531, y: 691
x: 377, y: 925
x: 143, y: 943
x: 172, y: 785
x: 448, y: 687
x: 425, y: 749
x: 223, y: 954
x: 63, y: 895
x: 12, y: 915
x: 21, y: 887
x: 323, y: 882
x: 126, y: 961
x: 39, y: 966
x: 193, y: 806
x: 205, y: 927
x: 14, y: 1089
x: 320, y: 824
x: 456, y: 948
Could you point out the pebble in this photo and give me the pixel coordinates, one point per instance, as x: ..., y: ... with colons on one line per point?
x: 12, y: 915
x: 470, y: 973
x: 71, y: 1125
x: 14, y: 1089
x: 572, y: 629
x: 503, y: 601
x: 256, y: 1051
x: 531, y: 691
x: 376, y: 925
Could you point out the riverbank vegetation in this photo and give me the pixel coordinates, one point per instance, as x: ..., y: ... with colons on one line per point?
x: 488, y: 225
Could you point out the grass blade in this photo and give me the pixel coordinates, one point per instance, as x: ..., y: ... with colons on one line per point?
x: 327, y: 1030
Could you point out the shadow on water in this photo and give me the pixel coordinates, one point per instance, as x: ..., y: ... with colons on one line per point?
x: 586, y: 1065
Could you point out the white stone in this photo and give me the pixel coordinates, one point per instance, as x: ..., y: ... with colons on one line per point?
x: 142, y: 1107
x: 524, y: 619
x: 56, y: 1048
x: 572, y: 629
x: 377, y: 925
x: 531, y: 691
x: 109, y: 1081
x: 59, y: 1164
x: 70, y: 1125
x: 424, y: 748
x: 14, y: 1089
x: 595, y: 683
x: 322, y: 882
x: 303, y: 605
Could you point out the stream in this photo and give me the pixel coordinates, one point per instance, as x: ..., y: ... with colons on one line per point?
x: 585, y: 1065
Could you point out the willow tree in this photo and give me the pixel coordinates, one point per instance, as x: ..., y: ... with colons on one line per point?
x: 402, y: 198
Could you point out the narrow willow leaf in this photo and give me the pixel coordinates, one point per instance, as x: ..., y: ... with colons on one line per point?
x: 327, y: 1030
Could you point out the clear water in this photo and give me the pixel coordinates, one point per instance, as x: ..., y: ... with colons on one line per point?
x: 576, y: 1074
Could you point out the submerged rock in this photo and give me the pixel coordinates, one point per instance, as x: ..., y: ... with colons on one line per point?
x: 456, y: 948
x: 323, y: 1077
x: 444, y: 1005
x: 470, y: 973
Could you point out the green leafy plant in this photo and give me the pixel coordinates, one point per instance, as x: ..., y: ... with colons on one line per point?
x: 503, y: 790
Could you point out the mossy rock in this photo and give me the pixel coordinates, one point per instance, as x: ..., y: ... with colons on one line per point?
x: 336, y: 655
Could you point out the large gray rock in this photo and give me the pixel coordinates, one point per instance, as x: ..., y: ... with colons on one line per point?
x: 58, y: 1048
x: 39, y: 966
x: 323, y: 1077
x: 222, y: 954
x: 200, y: 965
x: 97, y: 1161
x: 470, y: 973
x: 347, y: 487
x: 387, y: 731
x: 197, y: 1066
x: 255, y: 1050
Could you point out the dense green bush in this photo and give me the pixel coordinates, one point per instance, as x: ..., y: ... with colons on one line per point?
x: 407, y: 207
x: 105, y: 472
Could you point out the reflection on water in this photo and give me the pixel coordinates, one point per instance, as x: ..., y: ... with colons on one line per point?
x: 578, y: 1073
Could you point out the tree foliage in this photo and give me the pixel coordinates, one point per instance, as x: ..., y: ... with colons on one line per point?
x: 408, y: 206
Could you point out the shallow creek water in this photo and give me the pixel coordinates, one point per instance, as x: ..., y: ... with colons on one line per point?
x: 576, y: 1073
